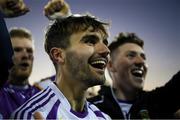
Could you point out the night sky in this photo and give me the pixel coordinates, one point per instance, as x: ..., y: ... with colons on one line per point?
x: 157, y: 22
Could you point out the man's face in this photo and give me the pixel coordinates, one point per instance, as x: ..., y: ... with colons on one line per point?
x: 129, y: 67
x: 23, y: 57
x: 87, y: 57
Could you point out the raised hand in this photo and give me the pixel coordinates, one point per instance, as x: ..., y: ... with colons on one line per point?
x: 13, y: 8
x: 56, y: 9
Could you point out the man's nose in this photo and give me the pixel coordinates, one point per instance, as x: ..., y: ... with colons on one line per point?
x: 103, y: 49
x: 26, y: 54
x: 140, y: 60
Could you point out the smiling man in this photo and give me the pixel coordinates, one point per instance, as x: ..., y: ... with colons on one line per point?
x: 17, y: 89
x: 126, y: 98
x: 77, y: 46
x: 128, y: 65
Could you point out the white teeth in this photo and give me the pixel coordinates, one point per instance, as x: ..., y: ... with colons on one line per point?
x: 98, y: 62
x: 138, y: 71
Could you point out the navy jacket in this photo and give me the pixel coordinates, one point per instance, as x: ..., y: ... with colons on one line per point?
x: 159, y: 103
x: 6, y: 51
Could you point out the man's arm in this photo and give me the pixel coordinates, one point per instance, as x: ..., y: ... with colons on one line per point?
x: 167, y: 97
x: 6, y: 52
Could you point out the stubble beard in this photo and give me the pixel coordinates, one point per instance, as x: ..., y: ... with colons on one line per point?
x: 80, y: 70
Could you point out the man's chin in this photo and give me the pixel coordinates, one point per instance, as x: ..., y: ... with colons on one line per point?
x: 24, y: 75
x: 96, y: 81
x: 139, y: 87
x: 138, y: 83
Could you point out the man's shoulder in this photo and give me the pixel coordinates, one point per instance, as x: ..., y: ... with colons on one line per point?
x: 39, y: 101
x: 104, y: 92
x: 97, y: 111
x: 5, y: 89
x: 95, y: 99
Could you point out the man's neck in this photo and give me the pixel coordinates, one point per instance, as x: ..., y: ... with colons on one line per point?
x: 73, y: 93
x: 18, y: 82
x: 125, y: 95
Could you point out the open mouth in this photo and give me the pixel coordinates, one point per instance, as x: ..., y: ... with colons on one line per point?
x: 24, y: 65
x: 98, y: 64
x: 137, y: 73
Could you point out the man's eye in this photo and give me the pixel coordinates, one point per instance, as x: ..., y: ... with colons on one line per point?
x: 90, y: 41
x: 29, y: 50
x: 131, y: 55
x: 17, y: 49
x: 143, y: 56
x: 105, y: 42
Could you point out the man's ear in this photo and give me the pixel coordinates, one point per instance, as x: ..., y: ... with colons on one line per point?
x: 57, y: 55
x: 110, y: 66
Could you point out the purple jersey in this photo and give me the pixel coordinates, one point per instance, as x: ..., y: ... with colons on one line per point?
x: 52, y: 104
x: 11, y: 97
x: 43, y: 84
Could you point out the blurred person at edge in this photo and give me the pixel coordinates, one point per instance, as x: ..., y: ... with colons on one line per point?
x: 17, y: 89
x: 8, y: 9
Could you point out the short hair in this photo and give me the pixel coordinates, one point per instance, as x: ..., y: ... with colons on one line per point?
x: 123, y: 38
x: 59, y: 32
x: 20, y: 32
